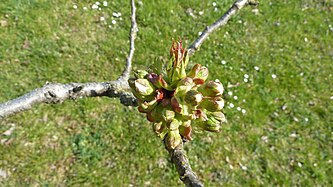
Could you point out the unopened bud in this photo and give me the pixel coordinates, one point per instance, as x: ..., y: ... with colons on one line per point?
x: 140, y: 74
x: 219, y: 116
x: 186, y: 132
x: 198, y: 73
x: 211, y: 124
x: 158, y: 81
x: 174, y: 124
x: 193, y: 97
x: 211, y: 89
x: 146, y: 106
x: 141, y: 87
x: 212, y: 103
x: 184, y: 86
x: 160, y: 129
x: 173, y: 139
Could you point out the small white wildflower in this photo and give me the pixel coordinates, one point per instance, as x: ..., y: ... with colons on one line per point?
x: 256, y: 68
x: 243, y: 167
x: 264, y: 138
x: 306, y: 119
x: 243, y: 111
x: 215, y: 9
x: 331, y: 97
x: 306, y: 39
x: 246, y: 76
x: 201, y: 12
x: 214, y: 3
x: 239, y: 108
x: 97, y: 3
x: 199, y: 33
x: 231, y: 167
x: 94, y: 6
x: 223, y: 62
x: 174, y: 30
x: 217, y: 80
x: 75, y: 6
x: 230, y: 93
x: 113, y: 22
x: 246, y: 80
x: 329, y: 161
x: 110, y: 26
x: 99, y: 8
x: 231, y: 105
x: 315, y: 164
x: 240, y: 21
x: 293, y: 135
x: 296, y: 119
x: 235, y: 97
x: 105, y: 3
x: 274, y: 76
x: 102, y: 18
x: 299, y: 164
x: 85, y: 8
x: 301, y: 74
x: 119, y: 14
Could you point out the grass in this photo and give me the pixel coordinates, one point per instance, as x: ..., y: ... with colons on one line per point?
x: 284, y: 138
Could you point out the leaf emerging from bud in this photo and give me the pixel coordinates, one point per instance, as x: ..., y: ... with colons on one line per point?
x: 211, y: 124
x: 160, y: 129
x: 173, y: 139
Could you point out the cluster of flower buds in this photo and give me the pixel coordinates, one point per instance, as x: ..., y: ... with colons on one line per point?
x: 175, y: 100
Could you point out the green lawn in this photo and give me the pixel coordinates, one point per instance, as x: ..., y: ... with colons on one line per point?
x: 280, y: 121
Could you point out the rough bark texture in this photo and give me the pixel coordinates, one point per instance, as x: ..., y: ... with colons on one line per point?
x: 186, y: 174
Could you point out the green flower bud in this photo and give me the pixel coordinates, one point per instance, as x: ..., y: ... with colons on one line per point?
x: 193, y: 97
x: 173, y: 139
x: 218, y: 116
x: 211, y: 124
x: 174, y: 124
x: 145, y: 106
x: 141, y: 88
x: 211, y: 89
x: 160, y: 129
x: 167, y: 114
x: 198, y: 73
x: 212, y: 103
x: 140, y: 74
x: 158, y: 81
x: 176, y: 106
x: 186, y: 132
x: 184, y: 86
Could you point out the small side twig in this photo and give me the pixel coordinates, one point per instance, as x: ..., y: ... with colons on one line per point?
x: 134, y: 29
x: 239, y: 4
x: 186, y: 174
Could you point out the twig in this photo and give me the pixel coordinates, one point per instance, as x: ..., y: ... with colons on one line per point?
x: 178, y: 157
x: 239, y: 4
x: 134, y: 29
x: 58, y: 93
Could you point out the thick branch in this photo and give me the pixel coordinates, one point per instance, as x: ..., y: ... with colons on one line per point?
x: 134, y: 30
x: 239, y: 4
x: 58, y: 93
x: 179, y: 158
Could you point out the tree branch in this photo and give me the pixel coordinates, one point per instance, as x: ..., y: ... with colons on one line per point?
x: 58, y: 93
x: 179, y: 158
x: 239, y: 4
